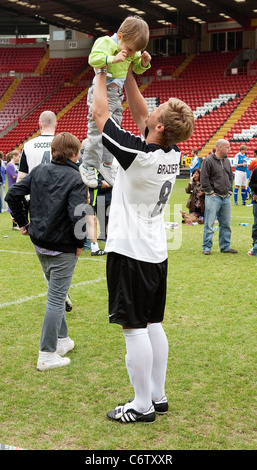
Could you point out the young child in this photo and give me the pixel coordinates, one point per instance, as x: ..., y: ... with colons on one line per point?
x: 116, y: 53
x: 56, y: 191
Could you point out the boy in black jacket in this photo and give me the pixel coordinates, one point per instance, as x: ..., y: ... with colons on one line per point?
x: 57, y: 204
x: 253, y: 187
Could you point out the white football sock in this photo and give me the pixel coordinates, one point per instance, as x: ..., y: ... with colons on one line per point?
x: 139, y: 359
x: 160, y: 349
x: 94, y: 246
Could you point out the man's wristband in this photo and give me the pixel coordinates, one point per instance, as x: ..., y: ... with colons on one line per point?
x: 101, y: 71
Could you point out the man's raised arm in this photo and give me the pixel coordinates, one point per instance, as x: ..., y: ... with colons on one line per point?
x: 100, y: 108
x: 136, y: 102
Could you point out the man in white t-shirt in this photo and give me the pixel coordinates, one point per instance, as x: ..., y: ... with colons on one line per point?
x: 38, y: 149
x: 136, y: 242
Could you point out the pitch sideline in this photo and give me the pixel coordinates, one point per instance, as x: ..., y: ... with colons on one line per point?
x: 43, y: 294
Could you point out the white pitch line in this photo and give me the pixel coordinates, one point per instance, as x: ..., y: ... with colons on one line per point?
x: 19, y: 252
x: 81, y: 258
x: 93, y: 258
x: 43, y: 294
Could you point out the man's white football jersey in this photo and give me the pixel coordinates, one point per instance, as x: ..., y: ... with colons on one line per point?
x: 142, y: 188
x: 35, y: 151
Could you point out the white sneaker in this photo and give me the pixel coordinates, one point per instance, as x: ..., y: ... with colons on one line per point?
x: 64, y: 345
x: 88, y: 176
x: 51, y: 360
x: 108, y: 173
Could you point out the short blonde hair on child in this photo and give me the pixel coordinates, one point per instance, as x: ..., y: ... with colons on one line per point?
x: 178, y: 120
x: 135, y: 32
x: 64, y: 146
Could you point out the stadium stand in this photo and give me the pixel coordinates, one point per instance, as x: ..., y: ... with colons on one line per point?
x: 67, y: 68
x: 20, y: 59
x: 29, y: 92
x: 224, y: 104
x: 4, y: 85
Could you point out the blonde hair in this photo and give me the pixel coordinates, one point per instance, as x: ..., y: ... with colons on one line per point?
x: 178, y: 120
x: 243, y: 147
x: 64, y: 146
x: 135, y: 32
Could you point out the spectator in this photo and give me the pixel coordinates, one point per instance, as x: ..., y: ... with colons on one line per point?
x: 2, y: 182
x: 217, y: 183
x: 253, y: 163
x: 183, y: 159
x: 91, y: 242
x: 92, y: 224
x: 253, y: 187
x: 240, y: 163
x: 12, y: 159
x: 38, y: 149
x: 195, y: 163
x: 195, y: 203
x: 101, y: 201
x: 52, y: 229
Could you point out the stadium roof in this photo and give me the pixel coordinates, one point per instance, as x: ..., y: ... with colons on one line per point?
x: 98, y: 17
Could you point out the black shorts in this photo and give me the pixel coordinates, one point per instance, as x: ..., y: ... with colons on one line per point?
x: 137, y: 291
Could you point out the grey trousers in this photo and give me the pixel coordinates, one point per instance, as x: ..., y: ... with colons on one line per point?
x: 58, y: 271
x: 95, y: 153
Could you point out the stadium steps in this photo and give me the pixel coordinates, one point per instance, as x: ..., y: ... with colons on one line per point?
x: 9, y: 92
x: 42, y: 64
x: 231, y: 121
x: 67, y: 108
x: 183, y: 66
x: 78, y: 78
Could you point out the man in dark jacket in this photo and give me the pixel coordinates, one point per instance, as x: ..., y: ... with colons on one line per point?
x: 38, y: 150
x: 57, y: 196
x: 217, y: 183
